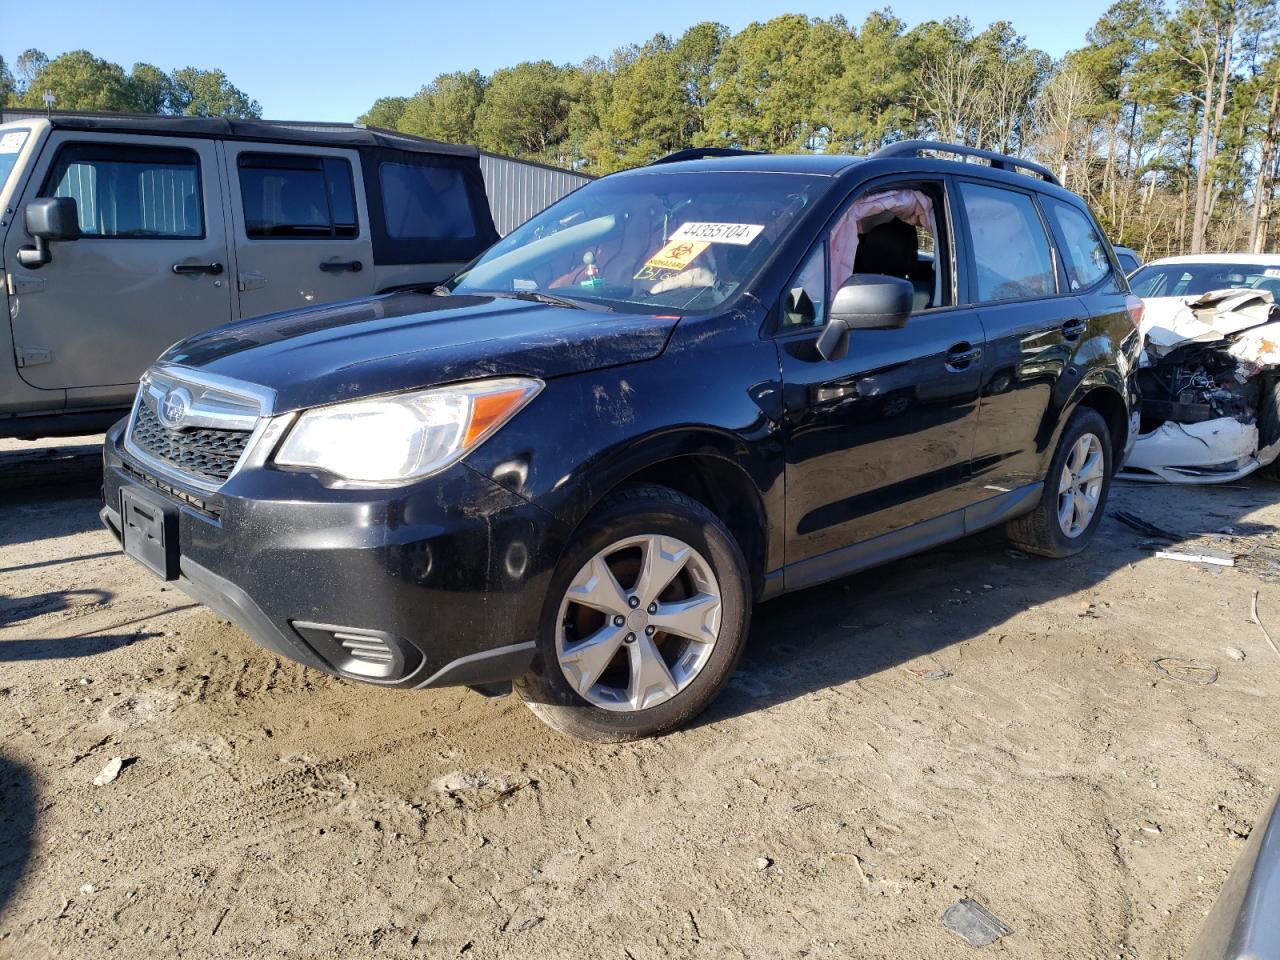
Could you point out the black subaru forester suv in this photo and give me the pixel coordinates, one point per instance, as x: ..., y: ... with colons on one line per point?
x: 679, y: 391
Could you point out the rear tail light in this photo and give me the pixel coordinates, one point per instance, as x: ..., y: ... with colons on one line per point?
x: 1136, y: 308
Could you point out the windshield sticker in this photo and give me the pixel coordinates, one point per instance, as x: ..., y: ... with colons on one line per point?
x: 1271, y: 272
x: 676, y: 255
x: 740, y: 234
x: 12, y: 142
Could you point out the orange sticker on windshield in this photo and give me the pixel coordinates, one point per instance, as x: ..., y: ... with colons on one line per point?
x: 676, y: 255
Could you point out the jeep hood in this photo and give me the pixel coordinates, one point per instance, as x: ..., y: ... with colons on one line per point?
x: 401, y: 341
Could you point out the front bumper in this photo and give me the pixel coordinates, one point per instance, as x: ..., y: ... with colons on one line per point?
x: 434, y: 584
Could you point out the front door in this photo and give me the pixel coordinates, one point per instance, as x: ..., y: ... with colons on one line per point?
x: 882, y: 438
x: 150, y: 267
x: 301, y: 227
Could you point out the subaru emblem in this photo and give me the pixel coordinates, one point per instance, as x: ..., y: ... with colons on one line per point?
x: 173, y: 407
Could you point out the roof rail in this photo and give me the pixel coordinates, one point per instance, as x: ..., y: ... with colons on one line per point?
x: 913, y: 148
x: 702, y: 153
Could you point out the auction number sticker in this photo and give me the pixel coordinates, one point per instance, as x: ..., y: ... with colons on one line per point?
x: 12, y: 142
x: 740, y: 234
x: 676, y: 255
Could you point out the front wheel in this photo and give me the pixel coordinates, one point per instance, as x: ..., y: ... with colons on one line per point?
x: 1075, y: 491
x: 644, y: 622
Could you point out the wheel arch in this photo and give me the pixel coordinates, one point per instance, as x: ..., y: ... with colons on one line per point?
x: 711, y: 467
x: 1108, y: 400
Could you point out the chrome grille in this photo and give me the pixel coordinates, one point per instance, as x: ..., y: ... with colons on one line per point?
x: 195, y: 428
x: 208, y: 454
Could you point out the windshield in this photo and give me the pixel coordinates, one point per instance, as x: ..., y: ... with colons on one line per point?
x: 11, y: 142
x: 679, y: 242
x: 1192, y: 279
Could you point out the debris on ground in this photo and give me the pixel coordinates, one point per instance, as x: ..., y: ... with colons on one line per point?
x: 763, y: 863
x: 1189, y: 671
x: 1216, y: 557
x: 109, y: 772
x: 1146, y: 528
x: 1206, y: 375
x: 975, y: 923
x: 1258, y: 620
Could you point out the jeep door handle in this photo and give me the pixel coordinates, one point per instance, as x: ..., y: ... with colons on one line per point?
x: 213, y: 269
x: 1072, y: 329
x: 337, y: 266
x: 961, y: 356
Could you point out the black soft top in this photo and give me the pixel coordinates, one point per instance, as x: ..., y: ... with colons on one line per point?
x: 275, y: 131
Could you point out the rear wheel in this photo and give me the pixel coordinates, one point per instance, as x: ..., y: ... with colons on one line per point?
x: 1075, y: 491
x: 645, y: 620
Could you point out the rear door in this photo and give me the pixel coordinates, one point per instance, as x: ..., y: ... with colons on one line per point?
x: 1032, y: 325
x: 301, y: 226
x: 150, y: 267
x: 881, y: 439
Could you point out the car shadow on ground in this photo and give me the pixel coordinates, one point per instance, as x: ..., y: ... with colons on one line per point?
x: 922, y: 605
x: 17, y: 826
x: 56, y: 485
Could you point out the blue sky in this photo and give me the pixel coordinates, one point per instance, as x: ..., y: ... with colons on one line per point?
x: 328, y: 60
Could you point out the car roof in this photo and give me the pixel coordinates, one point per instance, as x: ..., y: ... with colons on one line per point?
x: 1258, y: 259
x: 817, y: 164
x: 272, y: 131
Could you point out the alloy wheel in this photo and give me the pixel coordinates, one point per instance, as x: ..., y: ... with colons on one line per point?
x: 1080, y: 485
x: 638, y: 622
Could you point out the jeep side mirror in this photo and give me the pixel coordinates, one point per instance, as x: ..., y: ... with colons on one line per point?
x: 46, y: 219
x: 867, y: 301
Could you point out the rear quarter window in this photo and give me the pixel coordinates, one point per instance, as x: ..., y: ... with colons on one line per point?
x: 1084, y: 252
x: 422, y: 201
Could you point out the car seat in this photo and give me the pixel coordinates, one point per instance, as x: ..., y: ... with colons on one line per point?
x: 891, y: 248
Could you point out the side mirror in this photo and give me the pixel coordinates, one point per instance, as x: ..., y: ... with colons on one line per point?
x: 868, y: 301
x: 46, y: 219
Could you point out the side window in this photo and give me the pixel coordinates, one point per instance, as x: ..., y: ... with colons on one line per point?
x: 897, y: 232
x: 297, y: 196
x: 130, y: 192
x: 1010, y: 249
x: 804, y: 300
x: 421, y: 201
x: 1083, y: 251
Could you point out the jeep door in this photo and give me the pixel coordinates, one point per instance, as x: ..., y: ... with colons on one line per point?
x: 882, y: 438
x: 301, y: 226
x: 150, y: 267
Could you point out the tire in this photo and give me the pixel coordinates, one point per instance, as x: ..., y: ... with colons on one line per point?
x: 1041, y: 531
x: 629, y: 698
x: 1269, y: 423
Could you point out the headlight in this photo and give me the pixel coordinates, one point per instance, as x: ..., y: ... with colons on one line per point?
x: 390, y: 440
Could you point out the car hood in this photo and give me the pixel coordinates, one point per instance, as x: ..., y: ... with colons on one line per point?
x: 404, y: 340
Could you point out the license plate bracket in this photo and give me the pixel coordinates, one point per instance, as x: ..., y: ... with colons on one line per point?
x: 150, y: 532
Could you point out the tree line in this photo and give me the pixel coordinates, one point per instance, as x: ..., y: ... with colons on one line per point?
x: 80, y: 81
x: 1167, y: 118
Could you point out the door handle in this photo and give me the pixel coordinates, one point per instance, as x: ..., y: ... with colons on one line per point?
x: 213, y: 269
x: 1072, y: 329
x: 961, y: 356
x: 337, y: 266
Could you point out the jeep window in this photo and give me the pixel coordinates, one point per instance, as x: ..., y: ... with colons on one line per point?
x: 130, y: 192
x: 297, y: 196
x: 11, y: 142
x: 422, y: 202
x: 651, y: 241
x: 1010, y: 249
x: 1193, y: 279
x: 1083, y: 250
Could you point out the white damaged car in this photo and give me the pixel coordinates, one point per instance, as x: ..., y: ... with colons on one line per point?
x: 1209, y: 374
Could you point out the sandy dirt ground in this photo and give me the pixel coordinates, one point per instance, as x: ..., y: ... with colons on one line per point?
x: 970, y: 722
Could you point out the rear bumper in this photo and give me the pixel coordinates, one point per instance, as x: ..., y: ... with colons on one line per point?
x: 436, y: 584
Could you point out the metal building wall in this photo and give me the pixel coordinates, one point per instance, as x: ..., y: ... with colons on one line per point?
x: 517, y: 189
